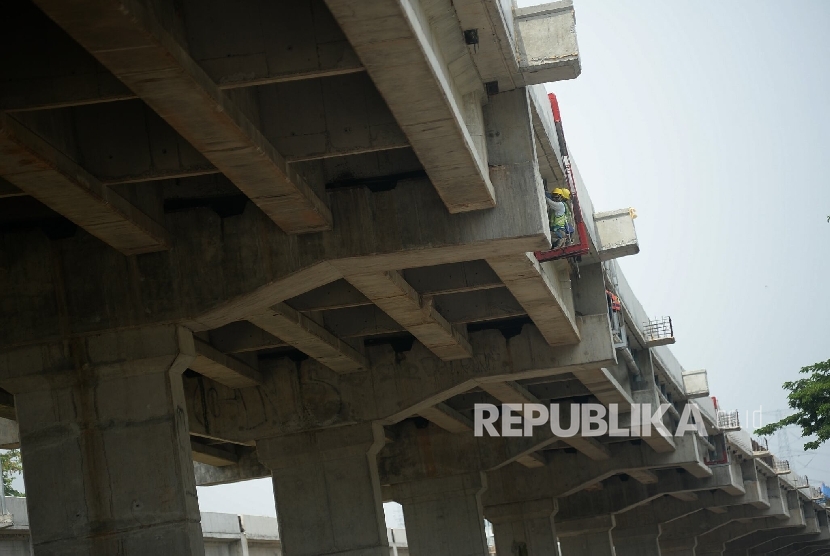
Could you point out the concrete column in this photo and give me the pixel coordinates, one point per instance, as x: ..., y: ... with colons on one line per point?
x: 637, y: 541
x: 444, y: 515
x: 327, y: 491
x: 105, y: 443
x: 525, y: 528
x: 593, y: 540
x: 591, y: 543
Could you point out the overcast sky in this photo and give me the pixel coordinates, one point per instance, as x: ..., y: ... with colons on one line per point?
x: 712, y: 120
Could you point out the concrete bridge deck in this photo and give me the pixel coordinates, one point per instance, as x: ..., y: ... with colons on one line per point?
x: 296, y: 240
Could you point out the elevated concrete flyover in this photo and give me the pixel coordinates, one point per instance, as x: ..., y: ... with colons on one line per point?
x: 297, y: 240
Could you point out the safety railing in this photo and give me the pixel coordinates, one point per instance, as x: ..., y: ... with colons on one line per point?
x: 760, y: 448
x: 799, y: 481
x: 658, y: 331
x: 780, y: 466
x: 729, y: 420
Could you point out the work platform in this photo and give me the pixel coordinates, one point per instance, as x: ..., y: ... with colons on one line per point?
x: 301, y: 240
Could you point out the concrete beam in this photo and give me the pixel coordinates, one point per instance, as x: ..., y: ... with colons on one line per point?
x: 544, y: 292
x: 447, y: 418
x: 326, y: 118
x: 457, y: 309
x: 246, y: 467
x: 212, y: 363
x: 634, y: 503
x: 305, y: 395
x: 464, y: 277
x: 40, y: 170
x: 703, y: 523
x: 262, y: 42
x: 389, y: 291
x: 435, y: 281
x: 9, y: 434
x: 302, y: 42
x: 227, y: 279
x: 415, y: 54
x: 243, y: 337
x: 304, y: 121
x: 143, y: 49
x: 8, y: 191
x: 509, y: 392
x: 507, y: 485
x: 512, y: 392
x: 212, y: 455
x: 309, y: 337
x: 643, y: 476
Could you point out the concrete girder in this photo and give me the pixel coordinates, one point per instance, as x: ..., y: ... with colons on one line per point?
x: 703, y: 521
x: 222, y: 368
x: 447, y: 418
x: 415, y: 53
x: 717, y: 540
x: 309, y: 337
x: 715, y: 530
x: 512, y: 392
x: 298, y: 396
x: 512, y: 484
x: 262, y: 42
x: 326, y: 118
x: 144, y: 49
x: 8, y: 190
x: 237, y: 53
x: 227, y: 279
x: 725, y: 487
x: 40, y: 170
x: 305, y: 121
x: 368, y: 320
x: 212, y: 455
x: 545, y: 293
x: 809, y: 547
x: 246, y: 468
x: 9, y: 434
x: 433, y: 281
x: 141, y: 148
x: 398, y: 299
x: 458, y: 309
x: 774, y: 542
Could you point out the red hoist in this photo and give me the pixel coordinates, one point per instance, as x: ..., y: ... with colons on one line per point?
x: 576, y: 243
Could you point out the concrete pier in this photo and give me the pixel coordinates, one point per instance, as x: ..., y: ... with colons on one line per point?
x: 106, y: 449
x: 305, y: 240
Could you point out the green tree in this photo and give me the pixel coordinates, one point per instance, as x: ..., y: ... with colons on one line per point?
x: 12, y: 466
x: 810, y: 398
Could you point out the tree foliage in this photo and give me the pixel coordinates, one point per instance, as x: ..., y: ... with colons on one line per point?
x: 810, y: 397
x: 12, y: 466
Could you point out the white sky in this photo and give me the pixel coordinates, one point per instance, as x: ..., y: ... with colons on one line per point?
x: 712, y: 119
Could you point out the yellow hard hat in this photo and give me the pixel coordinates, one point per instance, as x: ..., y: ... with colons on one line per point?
x: 558, y: 191
x: 566, y: 194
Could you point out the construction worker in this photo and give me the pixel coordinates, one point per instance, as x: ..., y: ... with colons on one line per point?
x: 558, y: 214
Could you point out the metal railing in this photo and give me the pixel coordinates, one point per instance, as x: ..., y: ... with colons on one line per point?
x: 658, y: 329
x: 760, y: 448
x: 799, y: 481
x: 780, y: 466
x: 729, y: 420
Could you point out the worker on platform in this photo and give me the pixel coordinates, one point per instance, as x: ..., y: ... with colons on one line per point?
x: 558, y: 212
